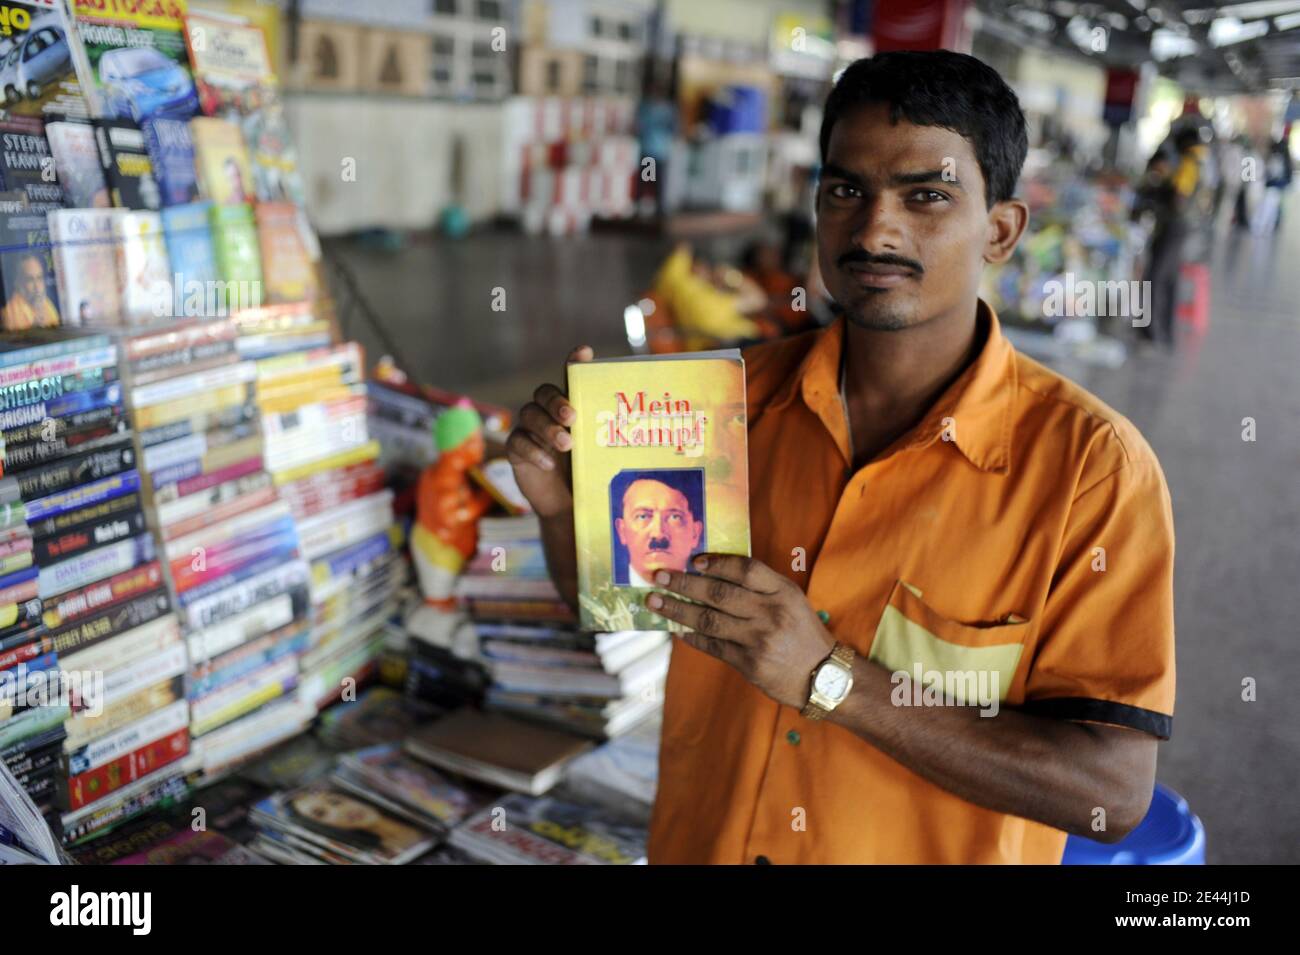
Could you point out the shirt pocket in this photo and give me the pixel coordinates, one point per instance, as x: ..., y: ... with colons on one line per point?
x: 913, y: 634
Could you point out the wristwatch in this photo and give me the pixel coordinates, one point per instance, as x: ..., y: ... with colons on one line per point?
x: 831, y: 683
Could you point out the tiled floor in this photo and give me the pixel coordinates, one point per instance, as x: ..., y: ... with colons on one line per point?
x: 1236, y: 503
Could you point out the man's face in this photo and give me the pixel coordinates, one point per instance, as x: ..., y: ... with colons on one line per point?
x: 902, y: 223
x: 32, y: 284
x: 657, y: 528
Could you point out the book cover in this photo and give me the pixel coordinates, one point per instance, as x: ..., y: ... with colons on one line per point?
x: 124, y: 159
x: 239, y: 259
x: 26, y: 266
x: 171, y: 151
x: 193, y: 258
x: 26, y: 163
x: 274, y: 160
x: 76, y: 160
x: 37, y: 76
x: 660, y: 473
x: 222, y: 160
x: 85, y: 265
x: 144, y: 268
x: 131, y: 59
x: 289, y: 276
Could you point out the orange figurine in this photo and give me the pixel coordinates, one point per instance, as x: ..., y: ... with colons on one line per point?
x: 449, y: 504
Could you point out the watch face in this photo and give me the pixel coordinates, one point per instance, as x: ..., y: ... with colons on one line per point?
x: 832, y: 681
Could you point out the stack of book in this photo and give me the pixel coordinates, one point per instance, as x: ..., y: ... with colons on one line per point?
x: 597, y: 684
x: 94, y: 716
x: 313, y: 409
x: 506, y: 579
x: 229, y: 542
x: 547, y: 831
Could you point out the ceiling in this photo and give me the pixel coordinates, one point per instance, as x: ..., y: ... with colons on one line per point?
x: 1209, y: 48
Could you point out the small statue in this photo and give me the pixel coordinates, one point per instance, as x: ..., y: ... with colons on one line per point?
x: 449, y: 504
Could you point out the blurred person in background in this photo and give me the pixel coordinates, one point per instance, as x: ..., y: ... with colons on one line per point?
x: 1277, y: 179
x: 1168, y: 193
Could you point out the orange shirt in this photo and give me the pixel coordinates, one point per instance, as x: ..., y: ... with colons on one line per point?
x: 1022, y: 529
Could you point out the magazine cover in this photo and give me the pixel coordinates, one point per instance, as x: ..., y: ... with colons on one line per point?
x: 193, y: 258
x: 660, y: 474
x: 547, y: 831
x: 37, y: 72
x: 411, y: 783
x: 76, y: 159
x: 230, y: 61
x: 131, y: 59
x: 239, y: 259
x: 85, y: 265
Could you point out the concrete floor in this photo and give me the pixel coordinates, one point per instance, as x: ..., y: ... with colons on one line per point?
x: 1236, y: 503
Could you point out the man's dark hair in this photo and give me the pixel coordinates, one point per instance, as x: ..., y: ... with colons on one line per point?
x: 941, y: 88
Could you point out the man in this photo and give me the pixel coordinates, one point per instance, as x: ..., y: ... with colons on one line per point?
x: 924, y: 501
x: 29, y: 306
x: 1169, y: 191
x: 658, y: 529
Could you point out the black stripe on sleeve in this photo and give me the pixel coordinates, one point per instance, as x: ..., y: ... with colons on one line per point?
x: 1159, y: 725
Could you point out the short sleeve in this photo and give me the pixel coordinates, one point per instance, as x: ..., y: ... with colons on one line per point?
x: 1105, y: 651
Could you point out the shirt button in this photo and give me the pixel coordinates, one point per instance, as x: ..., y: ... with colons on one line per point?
x: 762, y: 860
x: 824, y: 616
x: 792, y: 737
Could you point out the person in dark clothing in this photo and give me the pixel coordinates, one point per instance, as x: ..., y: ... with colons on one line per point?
x: 1170, y: 182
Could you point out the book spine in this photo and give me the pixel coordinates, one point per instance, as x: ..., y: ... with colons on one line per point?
x: 61, y: 524
x: 84, y: 468
x: 73, y: 441
x: 83, y: 496
x: 223, y: 511
x: 95, y: 565
x: 96, y: 534
x: 100, y: 782
x: 150, y: 729
x: 57, y: 427
x: 235, y: 600
x: 109, y: 623
x: 87, y: 601
x: 51, y: 388
x: 153, y: 416
x: 121, y: 683
x: 125, y: 650
x: 73, y: 364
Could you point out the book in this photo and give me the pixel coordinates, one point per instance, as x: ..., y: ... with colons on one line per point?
x: 26, y: 164
x: 145, y: 273
x: 222, y: 159
x: 39, y: 77
x: 131, y: 60
x: 660, y: 474
x: 85, y: 265
x: 76, y: 159
x: 172, y: 153
x: 193, y: 259
x: 238, y: 256
x: 286, y: 267
x: 26, y: 266
x: 497, y: 750
x: 124, y: 158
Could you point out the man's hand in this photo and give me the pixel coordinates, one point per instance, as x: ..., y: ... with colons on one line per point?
x: 538, y: 448
x: 749, y: 616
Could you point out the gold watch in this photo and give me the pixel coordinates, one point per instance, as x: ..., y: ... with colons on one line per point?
x: 831, y: 683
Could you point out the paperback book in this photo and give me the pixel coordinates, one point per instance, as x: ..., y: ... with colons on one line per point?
x: 660, y: 474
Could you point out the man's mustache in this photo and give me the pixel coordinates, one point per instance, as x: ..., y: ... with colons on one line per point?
x: 659, y: 543
x: 862, y: 257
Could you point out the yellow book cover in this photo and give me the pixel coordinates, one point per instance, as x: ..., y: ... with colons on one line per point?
x: 660, y: 473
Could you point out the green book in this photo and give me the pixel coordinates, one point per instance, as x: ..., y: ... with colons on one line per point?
x: 238, y: 255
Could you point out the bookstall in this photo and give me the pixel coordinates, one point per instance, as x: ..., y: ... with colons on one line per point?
x: 212, y: 644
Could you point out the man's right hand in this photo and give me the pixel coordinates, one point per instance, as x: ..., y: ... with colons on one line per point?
x: 538, y: 448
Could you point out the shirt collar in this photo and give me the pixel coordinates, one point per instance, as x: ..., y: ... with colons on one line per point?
x: 973, y: 414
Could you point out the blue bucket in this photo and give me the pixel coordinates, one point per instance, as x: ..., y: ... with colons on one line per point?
x: 1169, y: 835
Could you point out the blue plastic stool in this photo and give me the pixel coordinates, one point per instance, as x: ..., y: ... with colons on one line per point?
x: 1169, y: 835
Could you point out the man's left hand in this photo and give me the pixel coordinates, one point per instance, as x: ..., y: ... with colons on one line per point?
x: 751, y: 617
